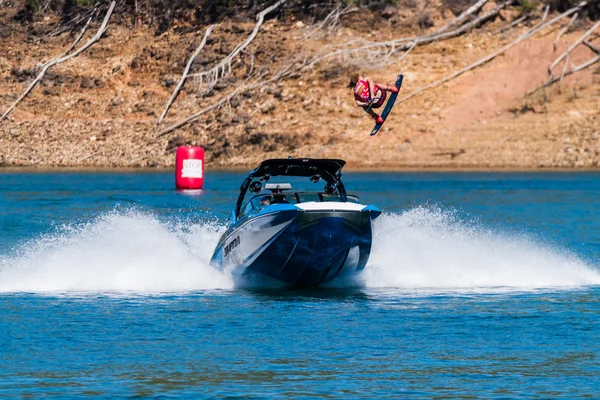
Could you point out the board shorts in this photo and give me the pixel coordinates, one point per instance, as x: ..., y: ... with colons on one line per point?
x: 381, y: 94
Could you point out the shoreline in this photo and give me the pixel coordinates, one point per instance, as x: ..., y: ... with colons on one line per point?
x: 387, y: 169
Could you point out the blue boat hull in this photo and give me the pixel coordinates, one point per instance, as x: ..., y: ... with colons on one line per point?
x: 298, y: 247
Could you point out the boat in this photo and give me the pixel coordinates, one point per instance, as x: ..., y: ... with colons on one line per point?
x: 297, y: 238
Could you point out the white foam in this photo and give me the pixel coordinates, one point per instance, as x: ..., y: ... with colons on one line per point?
x: 421, y: 249
x: 119, y: 251
x: 427, y: 248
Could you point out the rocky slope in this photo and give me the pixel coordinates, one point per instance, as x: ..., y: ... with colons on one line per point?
x: 100, y: 108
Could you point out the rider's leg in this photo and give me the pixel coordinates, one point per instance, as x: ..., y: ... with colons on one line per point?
x: 388, y: 88
x: 374, y: 115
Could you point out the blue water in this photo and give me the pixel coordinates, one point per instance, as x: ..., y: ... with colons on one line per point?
x: 479, y: 285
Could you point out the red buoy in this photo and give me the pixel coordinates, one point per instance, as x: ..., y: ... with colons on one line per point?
x: 189, y: 167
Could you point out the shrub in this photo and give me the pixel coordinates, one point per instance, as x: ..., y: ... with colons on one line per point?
x: 527, y: 6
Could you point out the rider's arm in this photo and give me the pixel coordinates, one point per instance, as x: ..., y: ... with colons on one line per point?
x: 361, y: 103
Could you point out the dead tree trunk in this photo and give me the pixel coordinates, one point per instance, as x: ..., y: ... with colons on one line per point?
x: 569, y: 49
x: 471, y: 10
x: 64, y: 57
x: 562, y: 75
x: 331, y: 20
x: 222, y: 69
x: 513, y: 23
x: 537, y: 28
x: 387, y: 48
x: 565, y: 29
x: 245, y: 87
x: 581, y: 67
x: 185, y: 74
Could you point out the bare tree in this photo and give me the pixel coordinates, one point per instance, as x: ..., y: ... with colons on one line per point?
x: 383, y: 50
x: 565, y: 29
x: 223, y: 68
x: 185, y: 73
x: 331, y: 20
x: 578, y: 68
x: 248, y: 85
x: 534, y: 30
x: 570, y: 48
x: 565, y: 56
x: 64, y: 57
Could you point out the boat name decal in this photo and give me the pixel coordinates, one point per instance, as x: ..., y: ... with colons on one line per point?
x: 232, y: 245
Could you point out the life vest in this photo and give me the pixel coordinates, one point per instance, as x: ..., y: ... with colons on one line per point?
x: 362, y: 93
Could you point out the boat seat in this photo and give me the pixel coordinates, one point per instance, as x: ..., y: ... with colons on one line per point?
x: 279, y: 199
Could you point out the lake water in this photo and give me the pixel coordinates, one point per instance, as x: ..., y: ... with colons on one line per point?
x: 479, y: 284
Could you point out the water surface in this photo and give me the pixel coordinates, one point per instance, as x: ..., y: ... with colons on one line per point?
x: 479, y: 284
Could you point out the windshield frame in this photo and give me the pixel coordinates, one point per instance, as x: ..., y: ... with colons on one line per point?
x: 329, y: 170
x: 294, y: 198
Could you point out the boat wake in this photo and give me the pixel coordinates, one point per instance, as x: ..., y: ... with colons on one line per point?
x: 420, y: 249
x: 427, y: 248
x: 118, y: 251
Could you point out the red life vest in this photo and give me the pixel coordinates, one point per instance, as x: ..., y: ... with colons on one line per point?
x: 362, y: 93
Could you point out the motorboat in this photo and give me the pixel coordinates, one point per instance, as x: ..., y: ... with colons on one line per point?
x: 299, y: 238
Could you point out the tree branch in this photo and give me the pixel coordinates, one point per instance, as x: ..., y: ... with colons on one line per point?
x: 562, y: 75
x: 457, y: 21
x: 534, y: 30
x: 565, y: 29
x: 476, y: 64
x: 404, y: 44
x: 515, y: 22
x: 64, y: 57
x: 569, y: 49
x: 591, y: 47
x: 336, y: 13
x: 185, y: 73
x: 245, y: 87
x: 219, y: 71
x: 583, y: 66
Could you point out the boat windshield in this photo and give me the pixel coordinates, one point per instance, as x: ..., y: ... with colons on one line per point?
x: 261, y: 200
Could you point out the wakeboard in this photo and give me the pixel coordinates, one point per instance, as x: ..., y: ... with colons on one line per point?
x: 389, y: 105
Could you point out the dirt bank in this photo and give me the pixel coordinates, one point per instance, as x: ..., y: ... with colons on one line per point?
x: 100, y: 109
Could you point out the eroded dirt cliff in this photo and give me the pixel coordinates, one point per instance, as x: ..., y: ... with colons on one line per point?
x: 100, y: 109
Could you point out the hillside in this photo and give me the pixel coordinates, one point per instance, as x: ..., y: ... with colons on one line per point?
x: 100, y: 108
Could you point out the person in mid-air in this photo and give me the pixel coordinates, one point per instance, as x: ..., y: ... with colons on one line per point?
x: 369, y: 95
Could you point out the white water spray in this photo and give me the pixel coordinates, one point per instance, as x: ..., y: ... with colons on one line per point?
x: 432, y: 249
x: 422, y: 248
x: 119, y: 251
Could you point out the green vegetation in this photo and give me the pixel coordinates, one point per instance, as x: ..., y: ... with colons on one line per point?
x: 527, y: 6
x: 32, y: 5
